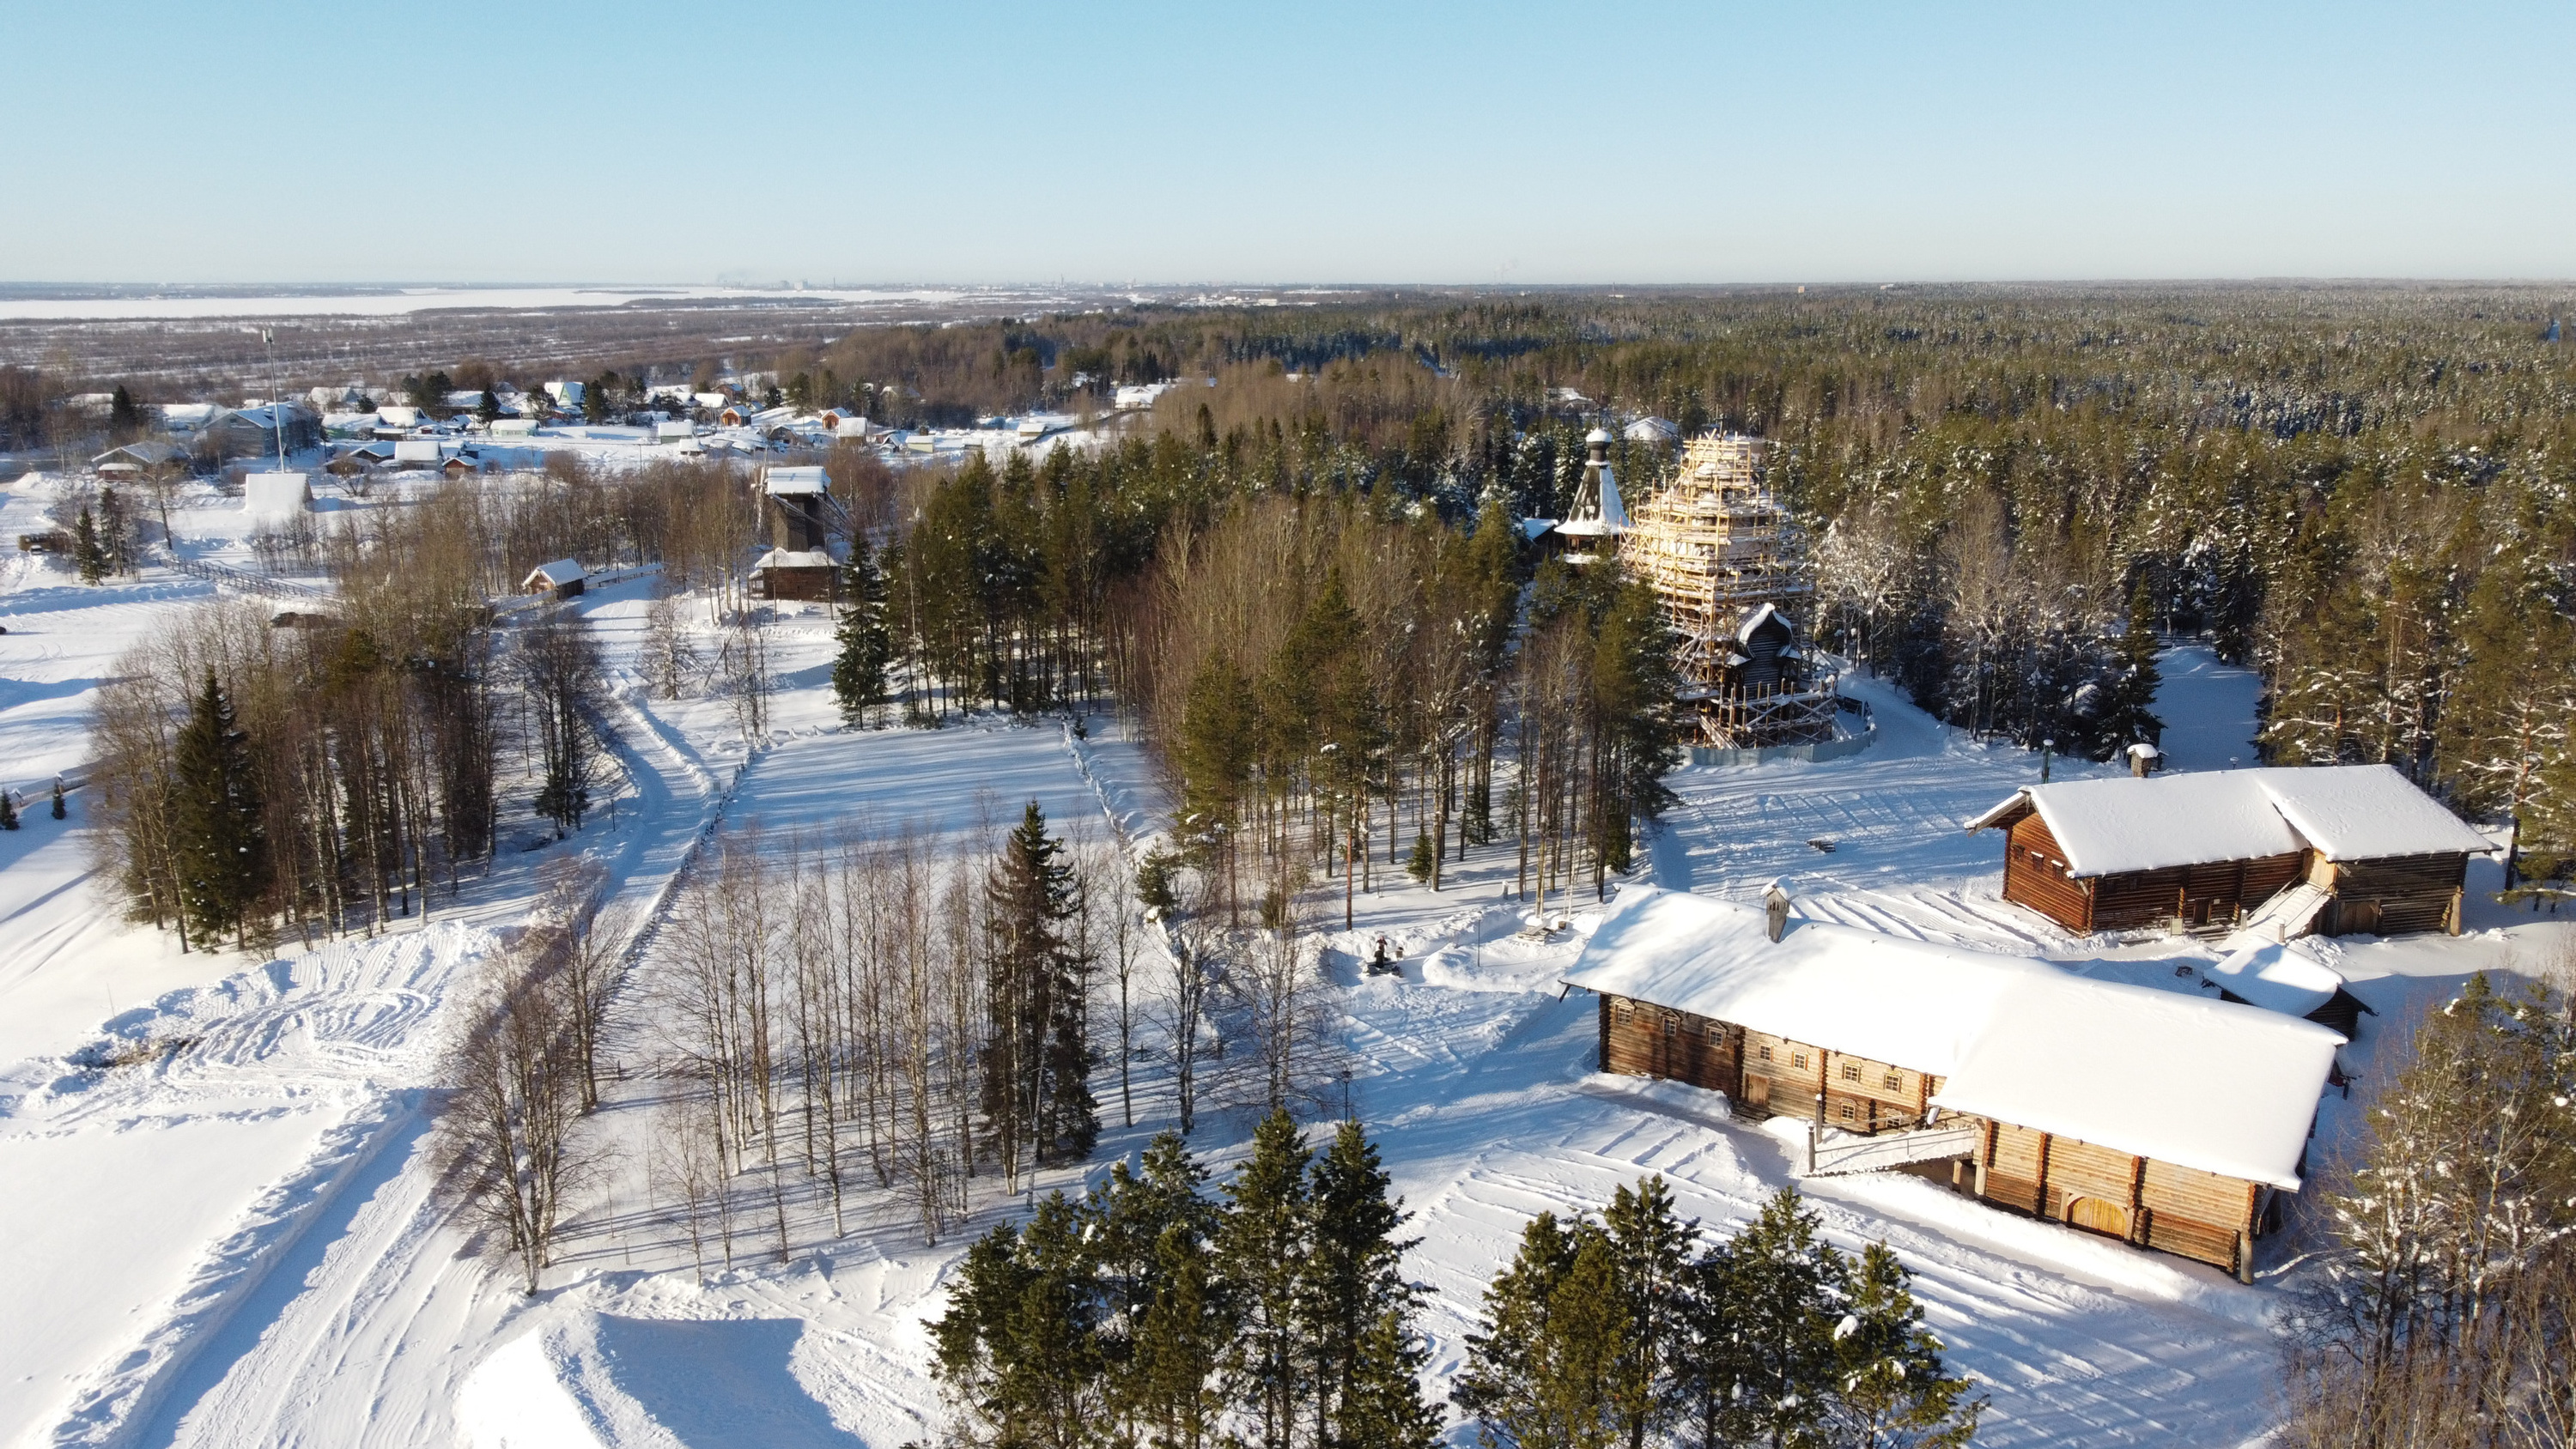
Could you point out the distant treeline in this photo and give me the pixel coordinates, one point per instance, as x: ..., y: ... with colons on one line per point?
x: 2365, y: 493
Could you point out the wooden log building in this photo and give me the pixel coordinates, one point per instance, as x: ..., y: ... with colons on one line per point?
x: 2168, y: 1120
x: 2335, y: 849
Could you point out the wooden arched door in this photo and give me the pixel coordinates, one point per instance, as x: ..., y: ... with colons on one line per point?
x: 2098, y: 1215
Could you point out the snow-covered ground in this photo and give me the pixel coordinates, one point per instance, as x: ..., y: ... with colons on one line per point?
x: 230, y: 1238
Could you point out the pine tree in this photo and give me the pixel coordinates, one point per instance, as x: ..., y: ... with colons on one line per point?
x: 1359, y: 1308
x: 218, y: 839
x: 87, y: 556
x: 1891, y: 1390
x: 8, y: 810
x: 866, y: 656
x: 1262, y: 1250
x: 1418, y: 864
x: 60, y: 811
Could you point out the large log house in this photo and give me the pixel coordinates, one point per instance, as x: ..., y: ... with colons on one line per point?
x: 2340, y: 849
x: 2165, y: 1120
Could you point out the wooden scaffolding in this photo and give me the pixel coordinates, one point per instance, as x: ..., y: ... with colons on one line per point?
x: 1717, y: 547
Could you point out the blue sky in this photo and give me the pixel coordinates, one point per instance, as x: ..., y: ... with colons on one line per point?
x: 1322, y: 142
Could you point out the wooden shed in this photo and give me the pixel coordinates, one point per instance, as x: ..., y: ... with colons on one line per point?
x: 2165, y: 1119
x: 2337, y: 849
x: 790, y: 574
x: 563, y: 579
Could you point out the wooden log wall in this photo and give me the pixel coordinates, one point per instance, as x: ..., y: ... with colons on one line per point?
x: 2210, y: 894
x: 2036, y: 875
x: 2181, y: 1210
x: 2396, y: 895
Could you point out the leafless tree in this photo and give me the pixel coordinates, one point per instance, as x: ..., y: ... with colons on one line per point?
x: 505, y: 1147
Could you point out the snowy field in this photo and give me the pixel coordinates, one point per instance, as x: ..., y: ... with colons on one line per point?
x: 229, y: 1238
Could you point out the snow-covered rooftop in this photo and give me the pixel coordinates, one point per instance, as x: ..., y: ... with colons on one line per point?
x: 784, y: 482
x: 2278, y: 977
x: 793, y: 558
x: 554, y: 575
x: 2359, y: 812
x: 2346, y: 812
x: 2197, y: 1083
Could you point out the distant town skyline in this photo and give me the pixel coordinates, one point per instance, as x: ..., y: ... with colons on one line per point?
x: 1494, y: 144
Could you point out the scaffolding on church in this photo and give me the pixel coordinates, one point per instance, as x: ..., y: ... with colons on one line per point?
x: 1728, y: 565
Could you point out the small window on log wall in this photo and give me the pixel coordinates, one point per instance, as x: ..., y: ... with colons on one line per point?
x: 1766, y: 1054
x: 1851, y: 1071
x: 1797, y: 1059
x: 1893, y: 1081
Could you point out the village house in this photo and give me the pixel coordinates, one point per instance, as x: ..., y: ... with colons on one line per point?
x: 232, y: 433
x: 2167, y: 1120
x: 150, y: 458
x: 2334, y: 849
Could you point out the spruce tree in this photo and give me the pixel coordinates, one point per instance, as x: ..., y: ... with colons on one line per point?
x: 220, y: 847
x: 8, y: 810
x: 2128, y: 716
x: 1036, y: 1091
x: 115, y: 533
x: 59, y: 809
x: 1890, y: 1386
x: 124, y: 419
x: 866, y: 654
x: 1152, y: 1241
x: 1018, y: 1352
x: 87, y: 556
x: 1502, y: 1386
x: 1782, y: 1285
x: 1359, y: 1308
x: 1262, y: 1250
x: 1651, y: 1250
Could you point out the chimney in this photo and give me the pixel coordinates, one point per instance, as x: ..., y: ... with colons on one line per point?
x: 1775, y: 909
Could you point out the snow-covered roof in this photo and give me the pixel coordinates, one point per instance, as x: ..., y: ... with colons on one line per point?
x: 2360, y: 812
x: 783, y: 482
x: 2346, y: 812
x: 1754, y: 618
x: 1536, y: 527
x: 275, y: 496
x: 793, y: 558
x: 150, y: 452
x: 2278, y: 977
x: 1651, y: 430
x: 554, y: 575
x: 2198, y: 1083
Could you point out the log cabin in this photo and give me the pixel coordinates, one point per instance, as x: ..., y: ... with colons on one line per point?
x: 2334, y: 849
x: 2169, y: 1121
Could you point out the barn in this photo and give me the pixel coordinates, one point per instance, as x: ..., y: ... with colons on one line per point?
x: 2335, y: 849
x: 563, y: 579
x: 794, y: 574
x: 2169, y: 1121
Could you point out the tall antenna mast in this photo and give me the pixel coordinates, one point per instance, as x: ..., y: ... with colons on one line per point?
x: 276, y: 403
